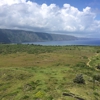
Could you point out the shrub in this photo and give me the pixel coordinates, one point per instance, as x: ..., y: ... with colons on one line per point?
x: 79, y: 79
x: 81, y: 65
x: 98, y: 51
x: 25, y: 97
x: 98, y: 66
x: 39, y: 95
x: 96, y: 77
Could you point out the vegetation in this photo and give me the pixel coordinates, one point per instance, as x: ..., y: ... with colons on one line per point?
x: 98, y: 66
x: 34, y: 72
x: 79, y: 79
x: 96, y: 77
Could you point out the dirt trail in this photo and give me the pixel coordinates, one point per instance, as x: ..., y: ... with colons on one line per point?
x: 89, y: 60
x: 88, y: 63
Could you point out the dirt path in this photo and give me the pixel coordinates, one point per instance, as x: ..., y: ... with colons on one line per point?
x: 88, y: 63
x: 89, y: 60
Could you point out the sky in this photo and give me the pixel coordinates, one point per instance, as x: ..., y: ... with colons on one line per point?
x: 74, y: 17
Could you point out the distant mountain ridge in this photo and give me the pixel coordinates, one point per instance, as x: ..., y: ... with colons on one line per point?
x: 19, y: 36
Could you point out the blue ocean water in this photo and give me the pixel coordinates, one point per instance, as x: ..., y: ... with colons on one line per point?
x: 90, y: 42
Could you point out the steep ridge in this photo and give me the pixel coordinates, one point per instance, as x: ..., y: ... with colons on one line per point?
x: 19, y: 36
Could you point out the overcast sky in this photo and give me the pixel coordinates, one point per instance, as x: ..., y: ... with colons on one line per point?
x: 77, y: 17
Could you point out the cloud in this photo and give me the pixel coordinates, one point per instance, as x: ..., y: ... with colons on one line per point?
x: 23, y: 14
x: 10, y: 2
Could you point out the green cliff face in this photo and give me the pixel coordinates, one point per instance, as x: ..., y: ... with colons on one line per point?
x: 19, y: 36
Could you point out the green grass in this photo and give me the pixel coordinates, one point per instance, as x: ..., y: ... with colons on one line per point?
x: 29, y: 72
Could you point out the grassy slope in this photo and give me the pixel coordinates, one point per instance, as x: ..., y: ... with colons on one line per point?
x: 29, y: 72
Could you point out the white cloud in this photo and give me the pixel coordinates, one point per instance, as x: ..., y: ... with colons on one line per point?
x: 10, y: 2
x: 22, y: 14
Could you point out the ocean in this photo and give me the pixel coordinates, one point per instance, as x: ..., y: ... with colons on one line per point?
x: 90, y: 42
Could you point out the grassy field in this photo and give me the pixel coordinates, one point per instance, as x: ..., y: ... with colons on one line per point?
x: 30, y: 72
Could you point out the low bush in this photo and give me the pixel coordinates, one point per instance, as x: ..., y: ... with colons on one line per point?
x: 98, y: 66
x: 81, y: 65
x: 96, y: 77
x: 79, y: 79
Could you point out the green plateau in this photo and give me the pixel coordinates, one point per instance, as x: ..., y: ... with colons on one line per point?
x: 34, y: 72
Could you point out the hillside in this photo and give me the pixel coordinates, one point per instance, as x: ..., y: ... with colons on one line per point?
x: 19, y: 36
